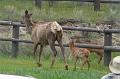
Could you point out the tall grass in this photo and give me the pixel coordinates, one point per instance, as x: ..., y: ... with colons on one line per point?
x: 25, y: 66
x: 14, y: 9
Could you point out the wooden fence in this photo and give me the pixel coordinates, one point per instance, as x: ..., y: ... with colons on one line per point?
x: 108, y: 48
x: 96, y: 2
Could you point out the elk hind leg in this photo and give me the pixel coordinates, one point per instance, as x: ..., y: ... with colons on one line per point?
x: 88, y: 64
x: 100, y: 59
x: 41, y: 49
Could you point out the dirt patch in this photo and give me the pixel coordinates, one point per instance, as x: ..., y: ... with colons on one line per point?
x: 4, y: 29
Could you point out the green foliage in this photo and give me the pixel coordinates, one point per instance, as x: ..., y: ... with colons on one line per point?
x: 14, y: 9
x: 25, y: 66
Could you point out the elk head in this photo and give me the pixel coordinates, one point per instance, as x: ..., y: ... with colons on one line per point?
x: 71, y: 43
x: 27, y: 20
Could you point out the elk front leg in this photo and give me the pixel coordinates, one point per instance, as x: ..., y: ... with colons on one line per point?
x: 35, y: 48
x: 41, y: 49
x: 62, y: 50
x: 86, y: 61
x: 88, y: 64
x: 54, y: 52
x: 75, y: 63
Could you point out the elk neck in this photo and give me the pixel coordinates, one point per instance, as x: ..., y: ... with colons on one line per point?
x: 72, y: 46
x: 29, y: 25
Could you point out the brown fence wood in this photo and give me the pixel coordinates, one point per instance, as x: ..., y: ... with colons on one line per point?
x: 111, y: 48
x: 107, y: 42
x: 11, y: 23
x: 102, y: 1
x: 97, y: 5
x: 78, y: 28
x: 15, y: 44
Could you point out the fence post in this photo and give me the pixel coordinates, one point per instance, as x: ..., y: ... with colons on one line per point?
x: 38, y: 3
x: 96, y: 5
x: 107, y: 53
x: 15, y: 44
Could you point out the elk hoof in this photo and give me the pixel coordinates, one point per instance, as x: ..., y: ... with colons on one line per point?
x: 39, y: 65
x: 66, y: 67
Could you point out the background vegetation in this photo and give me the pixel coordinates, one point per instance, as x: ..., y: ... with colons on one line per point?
x: 14, y: 9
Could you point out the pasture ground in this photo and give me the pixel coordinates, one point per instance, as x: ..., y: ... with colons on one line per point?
x: 26, y: 66
x: 14, y: 9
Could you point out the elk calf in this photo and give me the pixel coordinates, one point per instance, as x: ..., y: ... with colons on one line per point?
x: 79, y: 53
x: 99, y: 52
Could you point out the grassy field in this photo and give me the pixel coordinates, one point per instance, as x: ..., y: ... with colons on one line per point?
x: 14, y: 9
x: 26, y: 66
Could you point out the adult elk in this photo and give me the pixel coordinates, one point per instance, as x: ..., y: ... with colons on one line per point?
x: 44, y: 33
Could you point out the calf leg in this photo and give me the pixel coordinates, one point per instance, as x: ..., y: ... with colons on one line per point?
x: 100, y: 59
x: 86, y: 61
x: 82, y: 65
x: 75, y: 63
x: 88, y: 64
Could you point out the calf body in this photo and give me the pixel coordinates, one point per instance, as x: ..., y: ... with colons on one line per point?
x: 79, y: 53
x: 99, y: 52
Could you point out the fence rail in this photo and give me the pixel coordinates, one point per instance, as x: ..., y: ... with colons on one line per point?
x: 102, y: 1
x: 11, y: 23
x: 107, y: 39
x: 111, y: 48
x: 76, y: 28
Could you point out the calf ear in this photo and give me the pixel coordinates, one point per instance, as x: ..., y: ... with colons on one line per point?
x: 26, y: 12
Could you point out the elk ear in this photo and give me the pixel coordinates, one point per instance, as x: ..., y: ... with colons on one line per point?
x: 26, y: 12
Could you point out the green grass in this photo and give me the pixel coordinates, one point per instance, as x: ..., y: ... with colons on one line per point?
x: 14, y: 9
x: 25, y: 66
